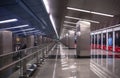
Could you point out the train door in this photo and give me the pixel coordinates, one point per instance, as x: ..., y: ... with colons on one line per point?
x: 95, y: 41
x: 110, y: 39
x: 92, y: 40
x: 99, y: 41
x: 116, y: 39
x: 104, y: 43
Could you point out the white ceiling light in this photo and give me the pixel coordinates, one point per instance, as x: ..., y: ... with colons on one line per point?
x: 8, y: 21
x: 97, y: 13
x: 34, y: 31
x: 69, y: 22
x: 53, y: 24
x: 21, y: 26
x: 24, y: 30
x: 68, y: 25
x: 46, y: 3
x: 82, y: 19
x: 28, y: 32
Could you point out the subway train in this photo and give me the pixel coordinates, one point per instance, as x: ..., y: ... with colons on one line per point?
x: 106, y: 39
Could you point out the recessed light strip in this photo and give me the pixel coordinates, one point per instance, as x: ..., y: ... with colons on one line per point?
x: 28, y: 32
x: 82, y: 19
x: 69, y: 22
x: 97, y: 13
x: 21, y: 26
x: 46, y: 5
x: 53, y: 24
x: 24, y: 30
x: 8, y: 21
x: 68, y: 25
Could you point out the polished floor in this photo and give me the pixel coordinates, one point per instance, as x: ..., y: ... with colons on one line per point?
x: 62, y: 63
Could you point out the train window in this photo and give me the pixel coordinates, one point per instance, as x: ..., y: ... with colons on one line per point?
x: 99, y: 39
x: 117, y: 39
x: 92, y: 39
x: 95, y: 39
x: 104, y: 38
x: 110, y: 38
x: 110, y: 41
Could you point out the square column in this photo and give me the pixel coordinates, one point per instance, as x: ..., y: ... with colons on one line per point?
x: 83, y: 39
x: 30, y: 41
x: 5, y: 47
x: 39, y: 40
x: 71, y: 39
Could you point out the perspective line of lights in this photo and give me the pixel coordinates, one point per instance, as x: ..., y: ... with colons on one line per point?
x: 24, y: 30
x: 68, y: 25
x: 92, y: 12
x: 20, y: 26
x: 36, y: 31
x: 8, y: 21
x: 81, y: 19
x: 46, y: 3
x: 69, y: 22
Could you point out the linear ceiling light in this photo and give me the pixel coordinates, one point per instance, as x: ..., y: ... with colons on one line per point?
x: 46, y: 5
x: 97, y: 13
x: 24, y: 30
x: 53, y: 24
x: 68, y: 25
x: 34, y: 31
x: 8, y: 21
x: 28, y: 32
x: 69, y: 22
x: 82, y: 19
x: 21, y: 26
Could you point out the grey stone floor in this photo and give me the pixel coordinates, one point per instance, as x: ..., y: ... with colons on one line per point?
x: 62, y: 63
x: 65, y: 67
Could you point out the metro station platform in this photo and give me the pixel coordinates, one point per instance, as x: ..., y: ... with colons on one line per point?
x: 62, y: 63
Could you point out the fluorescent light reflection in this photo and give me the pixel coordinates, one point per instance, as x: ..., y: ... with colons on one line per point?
x: 46, y: 3
x: 69, y: 22
x: 64, y: 65
x: 97, y: 13
x: 72, y: 66
x: 82, y: 19
x: 72, y: 77
x: 21, y: 26
x: 51, y: 18
x: 8, y: 21
x: 24, y: 30
x: 65, y: 68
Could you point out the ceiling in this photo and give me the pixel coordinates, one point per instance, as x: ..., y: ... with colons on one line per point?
x: 103, y: 6
x: 33, y: 12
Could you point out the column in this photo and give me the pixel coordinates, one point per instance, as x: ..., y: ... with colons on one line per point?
x: 30, y: 41
x: 5, y: 47
x: 71, y: 39
x: 39, y: 40
x: 83, y: 39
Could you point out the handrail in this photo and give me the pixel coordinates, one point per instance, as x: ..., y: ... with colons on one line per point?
x: 9, y: 65
x: 21, y: 59
x: 18, y: 51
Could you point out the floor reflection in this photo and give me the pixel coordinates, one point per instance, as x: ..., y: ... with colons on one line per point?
x: 105, y: 64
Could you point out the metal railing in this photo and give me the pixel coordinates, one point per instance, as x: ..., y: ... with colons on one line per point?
x: 20, y: 60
